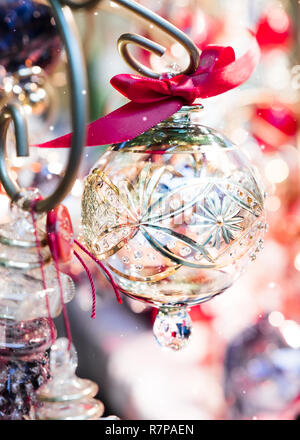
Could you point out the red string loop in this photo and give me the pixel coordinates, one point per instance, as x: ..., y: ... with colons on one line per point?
x: 41, y: 262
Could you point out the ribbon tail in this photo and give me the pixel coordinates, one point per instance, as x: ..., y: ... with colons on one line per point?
x: 228, y: 77
x: 123, y: 124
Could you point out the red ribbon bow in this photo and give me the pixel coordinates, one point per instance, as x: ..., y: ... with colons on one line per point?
x: 153, y: 100
x: 187, y: 87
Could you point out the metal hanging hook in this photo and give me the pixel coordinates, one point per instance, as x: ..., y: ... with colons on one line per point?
x: 78, y: 90
x: 147, y: 44
x: 143, y: 42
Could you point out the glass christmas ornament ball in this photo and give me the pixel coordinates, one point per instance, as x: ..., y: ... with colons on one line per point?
x: 31, y: 88
x: 175, y: 213
x: 28, y: 35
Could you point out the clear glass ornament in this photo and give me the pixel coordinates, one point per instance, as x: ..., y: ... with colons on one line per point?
x: 29, y: 87
x: 176, y: 213
x: 29, y: 297
x: 66, y: 396
x: 27, y: 300
x: 24, y: 338
x: 17, y: 237
x: 22, y: 296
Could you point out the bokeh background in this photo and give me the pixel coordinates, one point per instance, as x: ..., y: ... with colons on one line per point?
x: 243, y: 361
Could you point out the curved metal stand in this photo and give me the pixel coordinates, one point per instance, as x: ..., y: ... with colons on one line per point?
x: 78, y: 89
x: 14, y: 113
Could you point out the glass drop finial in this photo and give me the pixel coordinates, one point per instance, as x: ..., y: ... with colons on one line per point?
x: 172, y: 328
